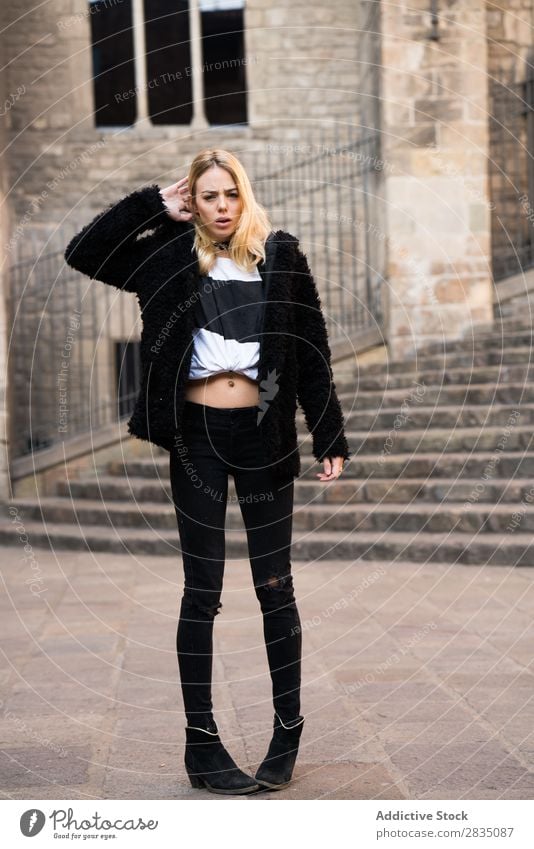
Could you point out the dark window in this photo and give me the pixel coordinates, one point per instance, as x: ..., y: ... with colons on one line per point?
x: 127, y: 370
x: 113, y: 62
x: 224, y: 65
x: 168, y: 61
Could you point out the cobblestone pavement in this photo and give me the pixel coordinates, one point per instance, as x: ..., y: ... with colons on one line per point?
x: 417, y: 679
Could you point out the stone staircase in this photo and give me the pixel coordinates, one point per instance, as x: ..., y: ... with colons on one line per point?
x: 443, y: 471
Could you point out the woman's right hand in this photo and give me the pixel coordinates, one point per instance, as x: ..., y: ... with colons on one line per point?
x: 177, y: 200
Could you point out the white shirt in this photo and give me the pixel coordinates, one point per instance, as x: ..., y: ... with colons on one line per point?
x: 228, y: 316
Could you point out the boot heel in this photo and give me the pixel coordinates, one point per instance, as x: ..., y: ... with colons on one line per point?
x: 195, y: 780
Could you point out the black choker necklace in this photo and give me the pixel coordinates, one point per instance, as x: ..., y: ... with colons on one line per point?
x: 221, y: 246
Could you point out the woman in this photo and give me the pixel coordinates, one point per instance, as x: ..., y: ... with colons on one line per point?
x: 233, y: 335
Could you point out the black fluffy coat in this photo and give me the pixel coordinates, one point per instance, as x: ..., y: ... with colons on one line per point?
x: 161, y: 269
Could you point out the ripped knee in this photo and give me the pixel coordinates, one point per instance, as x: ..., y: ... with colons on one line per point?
x: 195, y: 602
x: 277, y: 588
x: 278, y: 582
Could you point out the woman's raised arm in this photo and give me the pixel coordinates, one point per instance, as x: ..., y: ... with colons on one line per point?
x: 107, y: 248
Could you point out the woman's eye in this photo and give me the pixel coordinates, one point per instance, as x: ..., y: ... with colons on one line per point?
x: 212, y: 197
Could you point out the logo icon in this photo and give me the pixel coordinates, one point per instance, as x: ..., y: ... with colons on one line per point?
x: 31, y: 822
x: 269, y: 389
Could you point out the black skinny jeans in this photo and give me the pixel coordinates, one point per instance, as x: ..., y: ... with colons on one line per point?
x: 216, y: 442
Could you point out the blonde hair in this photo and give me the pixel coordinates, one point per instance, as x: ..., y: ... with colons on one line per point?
x: 247, y: 245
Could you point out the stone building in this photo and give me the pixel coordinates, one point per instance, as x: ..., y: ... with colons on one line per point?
x: 95, y: 116
x: 375, y: 132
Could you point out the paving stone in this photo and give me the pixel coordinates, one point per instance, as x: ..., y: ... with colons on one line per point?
x: 338, y: 781
x: 484, y: 769
x: 451, y: 719
x: 39, y: 766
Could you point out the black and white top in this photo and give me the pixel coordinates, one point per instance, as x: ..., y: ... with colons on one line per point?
x: 228, y: 317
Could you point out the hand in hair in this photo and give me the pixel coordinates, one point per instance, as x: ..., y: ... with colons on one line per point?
x: 177, y: 200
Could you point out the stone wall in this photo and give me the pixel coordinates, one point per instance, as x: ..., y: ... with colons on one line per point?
x: 306, y: 76
x: 510, y: 35
x: 510, y: 28
x: 435, y: 145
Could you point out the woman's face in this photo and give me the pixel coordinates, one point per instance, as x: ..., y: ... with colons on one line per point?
x: 217, y: 203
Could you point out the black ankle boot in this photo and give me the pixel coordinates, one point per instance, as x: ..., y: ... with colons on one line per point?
x: 210, y: 765
x: 276, y: 769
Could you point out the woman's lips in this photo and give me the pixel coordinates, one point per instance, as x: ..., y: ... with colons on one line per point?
x: 222, y: 221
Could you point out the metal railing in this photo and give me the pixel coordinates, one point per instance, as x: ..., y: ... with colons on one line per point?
x: 324, y: 189
x: 72, y: 348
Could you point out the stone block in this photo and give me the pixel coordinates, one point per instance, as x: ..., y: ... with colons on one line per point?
x: 438, y: 109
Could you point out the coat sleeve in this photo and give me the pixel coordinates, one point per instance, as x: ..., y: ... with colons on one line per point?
x: 107, y: 248
x: 316, y: 390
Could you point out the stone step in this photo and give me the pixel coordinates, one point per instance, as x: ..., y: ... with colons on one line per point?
x: 454, y: 359
x: 139, y: 481
x: 484, y: 445
x: 419, y: 547
x: 515, y: 321
x: 346, y: 490
x: 416, y: 490
x: 476, y: 439
x: 441, y: 439
x: 379, y: 445
x: 428, y: 518
x: 508, y: 338
x: 413, y: 415
x: 496, y: 463
x: 447, y: 395
x: 511, y: 310
x: 482, y: 466
x: 419, y: 381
